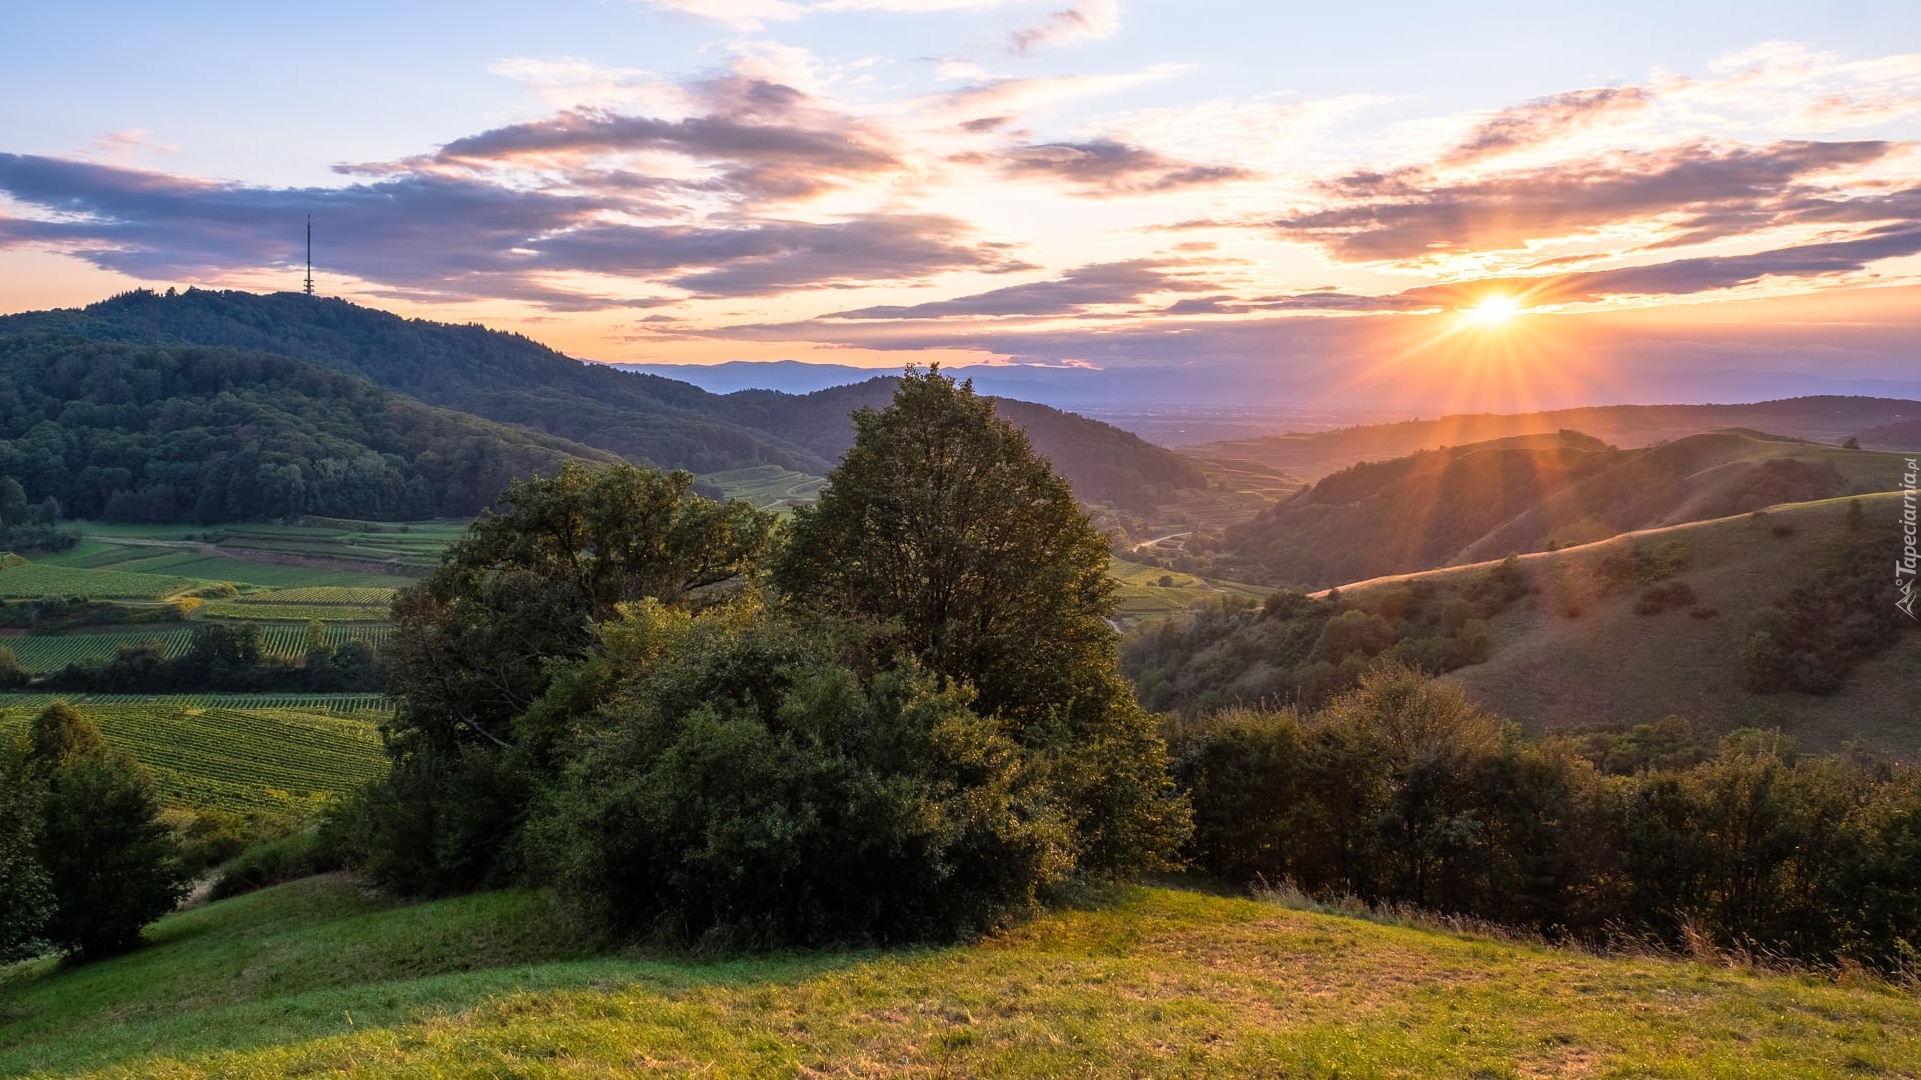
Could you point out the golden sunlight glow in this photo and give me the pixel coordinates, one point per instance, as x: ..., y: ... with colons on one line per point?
x: 1494, y: 310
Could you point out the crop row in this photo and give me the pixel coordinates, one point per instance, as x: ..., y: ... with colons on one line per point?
x: 322, y: 594
x: 229, y: 609
x: 240, y: 759
x: 33, y: 580
x: 44, y: 654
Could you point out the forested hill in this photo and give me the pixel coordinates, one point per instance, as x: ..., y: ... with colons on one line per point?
x: 511, y: 379
x: 136, y: 432
x: 500, y: 376
x: 1104, y: 463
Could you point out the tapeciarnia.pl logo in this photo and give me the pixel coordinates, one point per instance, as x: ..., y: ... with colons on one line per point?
x: 1904, y: 567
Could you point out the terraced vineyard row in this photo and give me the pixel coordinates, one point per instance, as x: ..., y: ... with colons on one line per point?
x: 233, y: 752
x: 326, y: 603
x: 43, y: 654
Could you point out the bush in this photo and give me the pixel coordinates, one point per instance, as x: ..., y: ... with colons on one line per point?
x: 745, y: 787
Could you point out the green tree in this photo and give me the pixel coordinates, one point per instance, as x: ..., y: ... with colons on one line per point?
x: 943, y: 524
x: 478, y: 640
x: 12, y: 675
x: 26, y: 895
x: 111, y: 864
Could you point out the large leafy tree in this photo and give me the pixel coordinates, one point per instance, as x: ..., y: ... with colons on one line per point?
x: 111, y: 864
x: 26, y: 896
x: 478, y: 639
x: 942, y: 519
x: 944, y: 524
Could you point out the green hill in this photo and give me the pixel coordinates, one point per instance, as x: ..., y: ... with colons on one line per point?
x: 143, y: 432
x: 1629, y: 630
x: 319, y: 976
x: 1480, y: 501
x: 510, y: 379
x: 1826, y: 419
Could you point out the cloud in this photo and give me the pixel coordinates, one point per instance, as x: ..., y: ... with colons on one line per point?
x: 452, y: 238
x: 1075, y: 291
x: 1102, y: 167
x: 739, y: 14
x: 1085, y: 20
x: 1684, y: 277
x: 769, y: 143
x: 1546, y: 119
x: 1698, y: 191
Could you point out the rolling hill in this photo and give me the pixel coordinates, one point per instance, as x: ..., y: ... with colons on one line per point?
x: 1531, y: 493
x: 1629, y: 630
x: 142, y: 432
x: 510, y: 379
x: 1825, y: 419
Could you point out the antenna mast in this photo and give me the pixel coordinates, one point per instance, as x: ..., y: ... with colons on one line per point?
x: 309, y: 254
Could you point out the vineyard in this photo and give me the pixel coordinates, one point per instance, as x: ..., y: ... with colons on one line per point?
x: 44, y: 654
x: 35, y: 579
x: 235, y: 752
x: 327, y: 603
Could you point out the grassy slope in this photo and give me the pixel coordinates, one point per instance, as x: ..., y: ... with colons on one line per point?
x: 1609, y: 664
x: 316, y: 977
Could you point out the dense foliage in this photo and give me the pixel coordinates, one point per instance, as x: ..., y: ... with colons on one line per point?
x: 109, y: 863
x: 27, y: 527
x: 136, y: 432
x: 1401, y: 791
x: 942, y: 522
x: 919, y: 733
x: 478, y: 640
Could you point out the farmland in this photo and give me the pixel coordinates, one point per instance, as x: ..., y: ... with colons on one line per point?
x: 36, y: 579
x: 236, y: 752
x: 1142, y: 596
x: 46, y: 653
x: 326, y: 603
x: 769, y: 487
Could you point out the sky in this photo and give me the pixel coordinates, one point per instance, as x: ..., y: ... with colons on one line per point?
x: 1475, y: 205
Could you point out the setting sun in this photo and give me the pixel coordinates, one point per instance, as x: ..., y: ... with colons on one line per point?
x: 1494, y: 310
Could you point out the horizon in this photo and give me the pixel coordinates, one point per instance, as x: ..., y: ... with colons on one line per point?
x: 1500, y: 209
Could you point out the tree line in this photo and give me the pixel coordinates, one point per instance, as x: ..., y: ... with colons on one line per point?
x: 1400, y: 791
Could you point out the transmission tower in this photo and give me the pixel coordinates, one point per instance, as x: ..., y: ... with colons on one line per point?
x: 309, y: 254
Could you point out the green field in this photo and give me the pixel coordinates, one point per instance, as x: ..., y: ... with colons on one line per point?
x: 767, y: 486
x: 320, y: 976
x: 316, y: 551
x: 33, y: 580
x: 1142, y: 596
x: 235, y: 752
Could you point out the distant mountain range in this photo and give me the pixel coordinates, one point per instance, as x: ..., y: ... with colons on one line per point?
x: 544, y: 399
x: 1273, y: 386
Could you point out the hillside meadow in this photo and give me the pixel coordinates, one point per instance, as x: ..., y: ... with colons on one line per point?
x: 318, y: 976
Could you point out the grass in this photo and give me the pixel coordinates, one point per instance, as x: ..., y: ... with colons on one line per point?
x: 316, y: 976
x: 1575, y: 655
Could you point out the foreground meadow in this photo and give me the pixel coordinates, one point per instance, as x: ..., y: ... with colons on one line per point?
x: 319, y: 977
